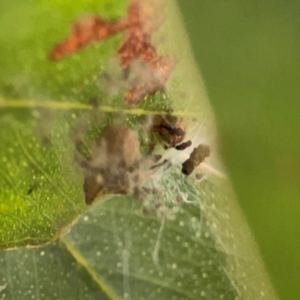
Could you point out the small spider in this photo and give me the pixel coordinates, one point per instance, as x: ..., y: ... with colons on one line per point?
x: 170, y: 131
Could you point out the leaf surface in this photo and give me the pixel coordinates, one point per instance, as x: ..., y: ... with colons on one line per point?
x: 41, y: 186
x: 183, y: 241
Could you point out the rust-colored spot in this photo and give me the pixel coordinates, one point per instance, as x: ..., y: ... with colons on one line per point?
x: 141, y: 21
x: 84, y: 32
x: 136, y: 46
x: 157, y: 73
x: 135, y: 95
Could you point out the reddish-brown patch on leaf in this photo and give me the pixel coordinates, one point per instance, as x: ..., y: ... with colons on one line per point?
x: 84, y: 32
x: 141, y: 21
x: 135, y: 95
x: 137, y: 46
x: 157, y: 72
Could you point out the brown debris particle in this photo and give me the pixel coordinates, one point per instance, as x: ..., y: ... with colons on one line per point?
x: 184, y: 145
x: 196, y: 158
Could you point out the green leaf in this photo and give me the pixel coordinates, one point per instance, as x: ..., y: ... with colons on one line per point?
x: 39, y: 196
x: 125, y: 253
x: 136, y: 257
x: 45, y: 273
x: 42, y: 105
x: 41, y: 186
x: 192, y: 244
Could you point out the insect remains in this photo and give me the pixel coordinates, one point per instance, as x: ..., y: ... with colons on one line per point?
x: 197, y: 156
x: 112, y: 155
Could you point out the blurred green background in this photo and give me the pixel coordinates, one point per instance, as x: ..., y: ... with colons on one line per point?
x: 249, y: 53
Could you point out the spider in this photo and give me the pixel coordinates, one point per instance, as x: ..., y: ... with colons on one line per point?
x: 170, y: 131
x: 112, y: 155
